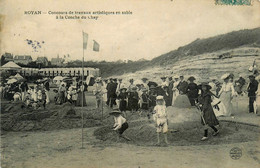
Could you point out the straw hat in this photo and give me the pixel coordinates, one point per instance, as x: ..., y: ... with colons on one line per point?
x: 225, y: 76
x: 123, y: 88
x: 116, y: 111
x: 159, y: 98
x: 176, y: 77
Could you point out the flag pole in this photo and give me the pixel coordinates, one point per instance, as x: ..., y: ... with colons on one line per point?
x: 82, y: 104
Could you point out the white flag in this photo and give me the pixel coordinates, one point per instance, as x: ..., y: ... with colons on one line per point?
x: 85, y: 40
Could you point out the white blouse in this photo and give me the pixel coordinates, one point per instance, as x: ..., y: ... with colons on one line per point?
x: 228, y: 87
x: 119, y: 121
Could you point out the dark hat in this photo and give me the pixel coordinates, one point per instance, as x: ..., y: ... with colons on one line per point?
x: 134, y: 88
x: 120, y: 79
x: 165, y: 86
x: 191, y: 78
x: 131, y: 80
x: 114, y: 79
x: 170, y: 78
x: 204, y: 84
x: 163, y: 77
x: 144, y: 79
x: 116, y: 111
x: 152, y: 87
x: 251, y: 76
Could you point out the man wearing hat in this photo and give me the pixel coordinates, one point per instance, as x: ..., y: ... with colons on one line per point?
x: 252, y: 88
x: 183, y: 85
x: 111, y: 92
x: 164, y: 82
x: 98, y: 92
x: 192, y: 90
x: 145, y: 84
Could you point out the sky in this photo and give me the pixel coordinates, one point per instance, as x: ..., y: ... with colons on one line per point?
x: 155, y: 27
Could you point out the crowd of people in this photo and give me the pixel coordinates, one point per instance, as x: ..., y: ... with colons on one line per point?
x: 207, y: 97
x: 142, y: 96
x: 37, y: 94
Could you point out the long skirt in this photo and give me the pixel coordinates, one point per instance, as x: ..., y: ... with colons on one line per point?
x: 257, y: 104
x: 174, y: 95
x: 226, y: 98
x: 221, y: 110
x: 79, y: 99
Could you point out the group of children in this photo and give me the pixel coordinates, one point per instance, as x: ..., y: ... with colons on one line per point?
x: 208, y: 117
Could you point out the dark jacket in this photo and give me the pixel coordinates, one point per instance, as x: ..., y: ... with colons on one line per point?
x: 192, y: 90
x: 208, y: 113
x: 252, y: 88
x: 182, y: 87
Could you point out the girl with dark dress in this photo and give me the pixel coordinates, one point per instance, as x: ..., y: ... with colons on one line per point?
x: 133, y: 99
x: 208, y: 117
x: 122, y: 100
x: 192, y: 90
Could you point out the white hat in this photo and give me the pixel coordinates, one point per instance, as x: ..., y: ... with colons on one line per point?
x: 226, y: 75
x: 176, y: 77
x: 159, y: 98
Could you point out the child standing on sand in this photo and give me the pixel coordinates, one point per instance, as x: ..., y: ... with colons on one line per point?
x: 160, y: 118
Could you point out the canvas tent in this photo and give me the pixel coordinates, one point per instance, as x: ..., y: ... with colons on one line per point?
x: 11, y: 66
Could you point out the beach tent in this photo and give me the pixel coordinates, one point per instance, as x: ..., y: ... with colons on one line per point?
x: 11, y: 66
x: 11, y: 81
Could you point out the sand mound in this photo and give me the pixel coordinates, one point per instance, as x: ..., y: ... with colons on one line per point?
x: 182, y: 101
x: 146, y: 135
x: 18, y: 118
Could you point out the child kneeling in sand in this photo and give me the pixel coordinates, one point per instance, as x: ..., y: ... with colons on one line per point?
x: 160, y: 118
x: 120, y: 124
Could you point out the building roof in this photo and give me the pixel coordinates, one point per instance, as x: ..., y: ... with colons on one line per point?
x: 11, y: 65
x: 23, y: 57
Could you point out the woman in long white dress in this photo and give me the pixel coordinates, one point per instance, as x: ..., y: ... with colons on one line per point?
x: 174, y: 89
x: 226, y: 93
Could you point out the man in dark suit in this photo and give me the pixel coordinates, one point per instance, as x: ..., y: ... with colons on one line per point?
x: 182, y: 86
x: 252, y: 88
x: 109, y: 91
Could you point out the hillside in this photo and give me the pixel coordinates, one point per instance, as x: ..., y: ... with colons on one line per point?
x: 217, y: 45
x: 232, y: 40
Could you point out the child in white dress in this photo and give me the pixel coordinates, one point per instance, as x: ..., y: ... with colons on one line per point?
x: 160, y: 118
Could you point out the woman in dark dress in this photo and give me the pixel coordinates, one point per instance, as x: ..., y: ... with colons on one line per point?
x: 208, y: 117
x: 192, y: 90
x: 81, y: 95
